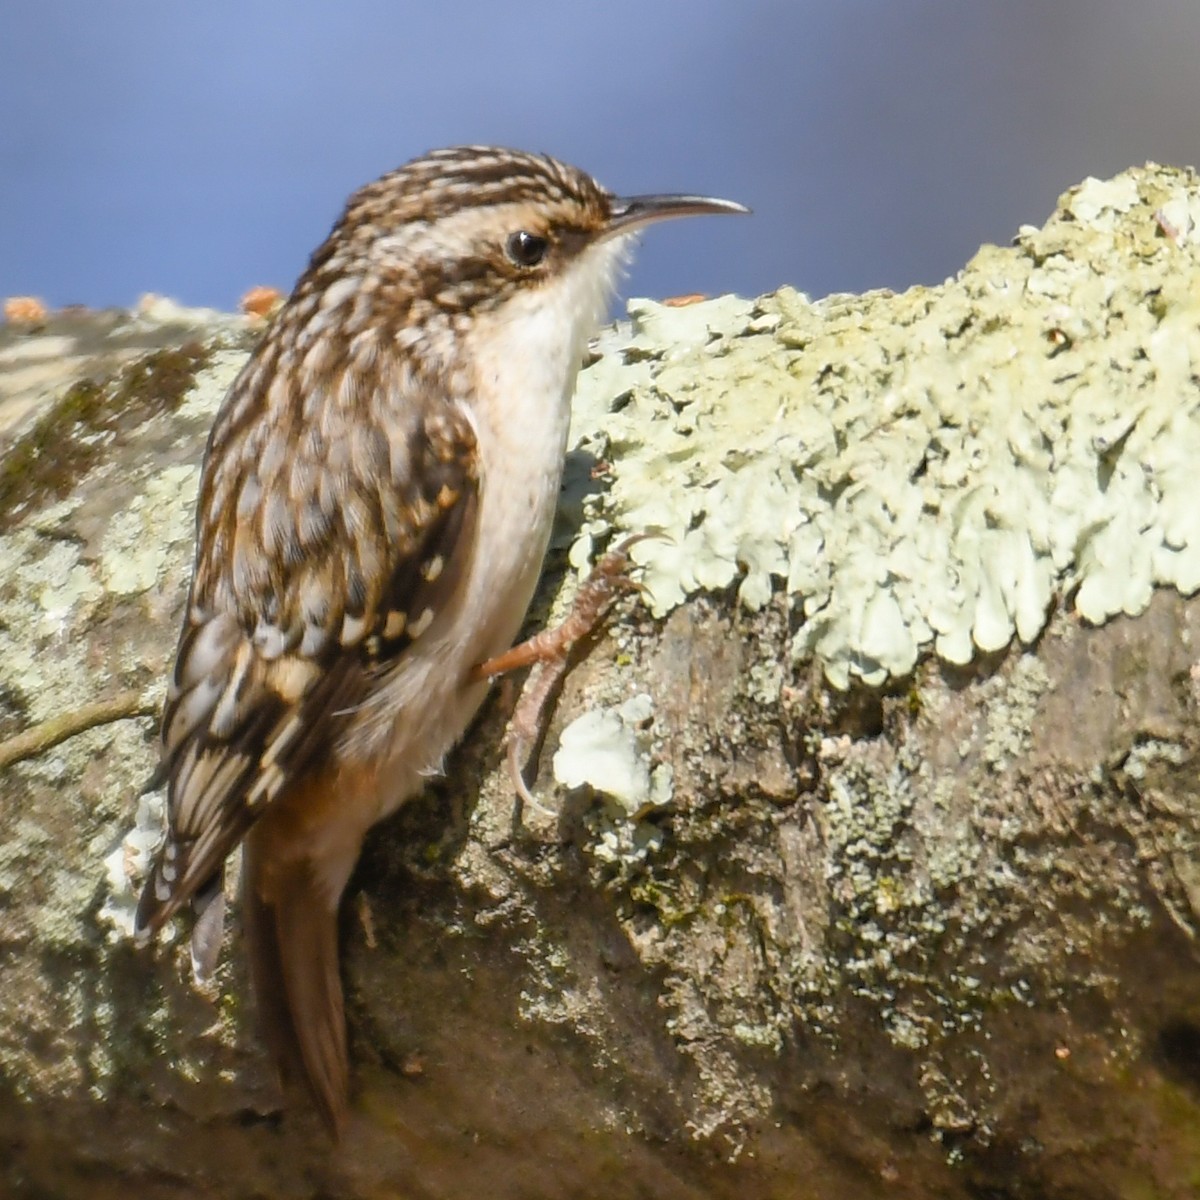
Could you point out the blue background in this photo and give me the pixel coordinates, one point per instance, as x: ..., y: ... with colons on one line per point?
x: 198, y: 149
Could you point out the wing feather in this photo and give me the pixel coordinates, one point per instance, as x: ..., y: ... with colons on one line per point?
x: 334, y: 564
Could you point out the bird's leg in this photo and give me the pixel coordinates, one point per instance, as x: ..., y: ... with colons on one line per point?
x: 549, y: 653
x: 608, y: 580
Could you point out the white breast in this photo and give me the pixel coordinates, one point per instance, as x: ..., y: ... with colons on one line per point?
x: 524, y: 357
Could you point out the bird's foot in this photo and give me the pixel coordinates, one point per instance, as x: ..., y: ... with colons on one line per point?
x: 549, y: 651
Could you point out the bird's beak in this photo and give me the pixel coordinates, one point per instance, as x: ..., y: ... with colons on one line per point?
x: 630, y: 213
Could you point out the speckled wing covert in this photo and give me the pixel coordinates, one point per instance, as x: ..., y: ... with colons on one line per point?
x: 322, y: 553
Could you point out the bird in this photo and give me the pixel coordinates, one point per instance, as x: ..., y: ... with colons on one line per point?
x: 374, y: 508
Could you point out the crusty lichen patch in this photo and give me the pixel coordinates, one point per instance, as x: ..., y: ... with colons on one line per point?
x: 931, y: 470
x: 95, y: 542
x: 78, y: 431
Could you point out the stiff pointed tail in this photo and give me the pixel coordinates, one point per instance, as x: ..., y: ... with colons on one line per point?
x: 292, y: 942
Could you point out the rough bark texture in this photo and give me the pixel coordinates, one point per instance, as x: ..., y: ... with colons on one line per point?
x: 927, y: 933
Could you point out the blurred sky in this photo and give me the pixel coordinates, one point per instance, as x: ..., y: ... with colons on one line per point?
x: 197, y: 149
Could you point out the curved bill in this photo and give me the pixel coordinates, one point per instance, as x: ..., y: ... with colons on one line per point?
x: 632, y: 212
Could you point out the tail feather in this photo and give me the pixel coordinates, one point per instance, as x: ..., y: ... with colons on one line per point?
x: 292, y: 943
x: 208, y: 933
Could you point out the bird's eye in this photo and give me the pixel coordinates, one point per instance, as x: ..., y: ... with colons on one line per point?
x: 526, y: 249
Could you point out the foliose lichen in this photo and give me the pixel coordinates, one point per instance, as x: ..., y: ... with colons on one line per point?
x: 930, y: 471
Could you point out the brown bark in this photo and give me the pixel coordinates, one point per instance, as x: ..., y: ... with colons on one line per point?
x: 934, y: 937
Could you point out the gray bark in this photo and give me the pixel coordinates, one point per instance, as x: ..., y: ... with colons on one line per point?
x: 871, y: 867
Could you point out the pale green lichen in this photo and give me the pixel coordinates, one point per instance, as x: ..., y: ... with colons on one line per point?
x: 204, y: 398
x: 1012, y: 710
x: 48, y: 584
x: 143, y: 538
x: 930, y: 471
x: 608, y: 750
x: 128, y: 863
x: 1153, y: 752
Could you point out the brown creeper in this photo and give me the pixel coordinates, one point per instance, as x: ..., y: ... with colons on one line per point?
x: 374, y: 509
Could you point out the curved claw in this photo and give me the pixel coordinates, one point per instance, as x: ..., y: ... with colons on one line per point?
x: 516, y: 748
x: 549, y: 651
x: 652, y: 533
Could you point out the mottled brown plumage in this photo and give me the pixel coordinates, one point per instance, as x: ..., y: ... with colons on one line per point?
x: 374, y: 507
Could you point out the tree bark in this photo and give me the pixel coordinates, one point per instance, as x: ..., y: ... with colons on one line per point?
x: 871, y: 866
